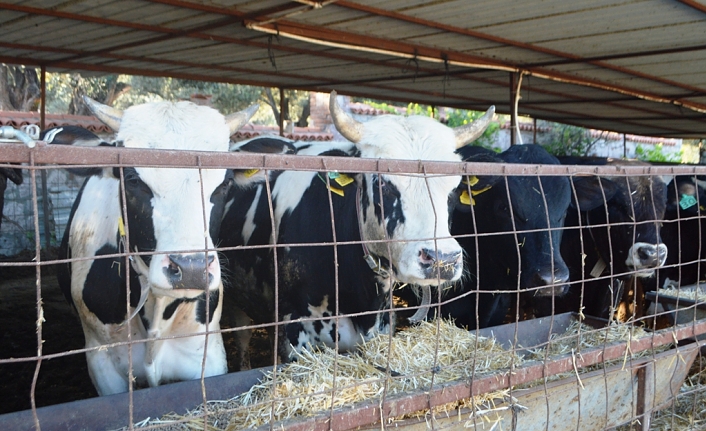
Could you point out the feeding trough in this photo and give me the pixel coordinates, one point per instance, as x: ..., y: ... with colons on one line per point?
x: 626, y: 387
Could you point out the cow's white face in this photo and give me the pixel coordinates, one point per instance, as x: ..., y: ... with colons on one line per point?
x: 171, y: 211
x: 410, y: 210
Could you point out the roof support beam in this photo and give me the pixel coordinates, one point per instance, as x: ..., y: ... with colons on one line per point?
x: 567, y: 57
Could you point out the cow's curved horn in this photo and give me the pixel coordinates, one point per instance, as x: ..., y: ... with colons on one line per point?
x: 111, y: 117
x: 345, y: 124
x: 470, y: 132
x: 238, y: 119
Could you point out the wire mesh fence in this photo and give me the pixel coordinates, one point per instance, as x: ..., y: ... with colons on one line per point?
x: 608, y: 336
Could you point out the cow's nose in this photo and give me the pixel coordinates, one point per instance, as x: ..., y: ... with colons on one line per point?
x: 189, y: 271
x: 551, y: 283
x: 439, y: 264
x: 651, y: 256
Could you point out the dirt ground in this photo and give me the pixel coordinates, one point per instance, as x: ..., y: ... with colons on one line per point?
x: 64, y: 378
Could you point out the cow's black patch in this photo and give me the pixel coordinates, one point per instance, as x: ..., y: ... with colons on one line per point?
x: 318, y: 326
x: 140, y: 223
x: 364, y: 198
x: 104, y: 291
x: 171, y: 308
x: 201, y: 306
x: 269, y: 146
x: 387, y: 199
x: 218, y: 199
x: 334, y: 332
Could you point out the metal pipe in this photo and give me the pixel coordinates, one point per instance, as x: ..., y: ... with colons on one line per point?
x: 43, y: 173
x: 281, y: 111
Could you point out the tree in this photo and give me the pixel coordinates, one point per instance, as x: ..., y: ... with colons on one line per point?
x: 566, y: 140
x: 294, y: 99
x: 19, y: 88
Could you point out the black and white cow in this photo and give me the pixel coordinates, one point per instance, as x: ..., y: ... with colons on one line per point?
x: 684, y: 232
x: 510, y: 230
x: 175, y: 288
x: 612, y: 235
x: 318, y: 283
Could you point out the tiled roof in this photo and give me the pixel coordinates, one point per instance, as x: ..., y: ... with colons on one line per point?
x: 18, y: 119
x: 297, y: 133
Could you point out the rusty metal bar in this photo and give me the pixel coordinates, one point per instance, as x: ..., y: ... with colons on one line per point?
x: 109, y: 157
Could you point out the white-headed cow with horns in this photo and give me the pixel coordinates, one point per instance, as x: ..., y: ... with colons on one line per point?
x: 402, y: 221
x: 169, y: 216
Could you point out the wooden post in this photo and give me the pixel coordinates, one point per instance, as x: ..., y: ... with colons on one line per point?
x: 625, y: 147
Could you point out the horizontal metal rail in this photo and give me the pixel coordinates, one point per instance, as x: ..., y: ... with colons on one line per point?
x: 69, y: 156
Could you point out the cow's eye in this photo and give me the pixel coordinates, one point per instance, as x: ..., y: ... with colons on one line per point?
x: 379, y: 183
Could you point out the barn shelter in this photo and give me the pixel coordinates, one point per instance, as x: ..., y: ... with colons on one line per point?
x: 624, y: 66
x: 628, y: 67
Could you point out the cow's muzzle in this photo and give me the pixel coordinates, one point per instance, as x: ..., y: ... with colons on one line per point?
x: 436, y: 264
x: 645, y: 256
x: 189, y: 271
x: 546, y: 283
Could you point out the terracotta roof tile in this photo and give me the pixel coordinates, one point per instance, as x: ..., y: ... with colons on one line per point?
x: 17, y: 119
x: 298, y: 133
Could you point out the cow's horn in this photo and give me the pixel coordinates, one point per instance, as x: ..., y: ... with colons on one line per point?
x: 345, y: 124
x: 470, y: 132
x: 111, y: 117
x: 238, y: 119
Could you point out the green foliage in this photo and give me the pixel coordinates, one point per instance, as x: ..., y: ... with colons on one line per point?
x: 390, y: 109
x: 459, y: 117
x: 122, y: 91
x: 566, y: 140
x: 657, y: 154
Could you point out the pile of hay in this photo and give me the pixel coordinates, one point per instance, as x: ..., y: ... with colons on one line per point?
x: 694, y: 293
x: 318, y: 381
x: 579, y: 337
x: 414, y: 359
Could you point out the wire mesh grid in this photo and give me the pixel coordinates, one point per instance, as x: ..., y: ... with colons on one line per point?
x: 600, y: 374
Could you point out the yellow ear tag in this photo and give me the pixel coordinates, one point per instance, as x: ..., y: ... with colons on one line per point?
x: 121, y: 226
x: 471, y: 181
x: 250, y: 172
x: 343, y: 180
x: 465, y: 198
x: 477, y: 192
x: 339, y: 192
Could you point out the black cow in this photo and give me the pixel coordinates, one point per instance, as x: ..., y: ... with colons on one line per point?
x: 518, y: 220
x: 613, y: 234
x: 684, y: 232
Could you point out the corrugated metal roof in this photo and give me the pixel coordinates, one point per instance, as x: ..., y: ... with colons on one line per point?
x: 632, y: 66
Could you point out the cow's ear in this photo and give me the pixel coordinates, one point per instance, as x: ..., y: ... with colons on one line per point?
x: 260, y: 145
x: 80, y: 137
x: 592, y: 192
x: 248, y: 177
x: 472, y: 186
